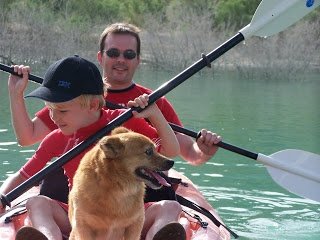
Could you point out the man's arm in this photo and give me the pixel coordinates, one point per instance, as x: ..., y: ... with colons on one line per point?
x: 197, y: 153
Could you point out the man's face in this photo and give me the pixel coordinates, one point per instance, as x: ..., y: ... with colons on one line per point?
x: 118, y: 71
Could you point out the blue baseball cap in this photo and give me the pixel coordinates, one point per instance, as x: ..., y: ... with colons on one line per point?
x: 69, y: 78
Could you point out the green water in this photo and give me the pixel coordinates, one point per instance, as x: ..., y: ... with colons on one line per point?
x: 261, y: 115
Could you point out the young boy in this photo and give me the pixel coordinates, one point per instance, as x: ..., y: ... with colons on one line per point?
x: 73, y: 91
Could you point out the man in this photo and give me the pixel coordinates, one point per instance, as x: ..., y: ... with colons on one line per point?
x: 119, y: 57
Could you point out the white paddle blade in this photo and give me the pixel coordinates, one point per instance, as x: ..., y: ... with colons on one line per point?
x: 295, y: 170
x: 296, y: 184
x: 273, y: 16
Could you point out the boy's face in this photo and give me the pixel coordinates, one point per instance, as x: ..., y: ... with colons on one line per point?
x: 70, y: 116
x: 119, y: 70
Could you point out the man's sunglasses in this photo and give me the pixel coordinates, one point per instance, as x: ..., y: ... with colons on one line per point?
x: 114, y: 53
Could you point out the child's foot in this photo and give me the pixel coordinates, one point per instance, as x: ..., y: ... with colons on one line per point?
x: 172, y: 231
x: 30, y: 233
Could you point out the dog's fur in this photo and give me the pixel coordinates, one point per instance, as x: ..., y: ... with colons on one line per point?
x: 106, y: 201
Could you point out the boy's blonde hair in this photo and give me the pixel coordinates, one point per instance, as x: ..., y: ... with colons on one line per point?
x: 84, y: 100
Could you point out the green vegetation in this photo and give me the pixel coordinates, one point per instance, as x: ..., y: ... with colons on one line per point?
x: 237, y: 11
x: 175, y: 33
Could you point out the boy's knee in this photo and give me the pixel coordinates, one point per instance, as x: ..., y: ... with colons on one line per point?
x: 37, y: 202
x: 172, y: 206
x: 167, y: 206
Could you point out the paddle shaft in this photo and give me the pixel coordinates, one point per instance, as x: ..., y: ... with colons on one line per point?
x: 31, y: 77
x: 154, y: 96
x: 266, y: 160
x: 221, y: 144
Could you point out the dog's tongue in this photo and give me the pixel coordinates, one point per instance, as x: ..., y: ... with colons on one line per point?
x: 160, y: 179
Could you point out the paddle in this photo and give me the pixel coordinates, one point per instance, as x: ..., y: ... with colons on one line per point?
x: 294, y: 170
x: 266, y: 14
x: 8, y: 69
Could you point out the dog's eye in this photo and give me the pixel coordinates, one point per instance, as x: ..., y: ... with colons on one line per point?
x: 149, y: 151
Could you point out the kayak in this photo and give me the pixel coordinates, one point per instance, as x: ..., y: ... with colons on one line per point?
x: 200, y: 227
x: 194, y: 228
x: 16, y: 217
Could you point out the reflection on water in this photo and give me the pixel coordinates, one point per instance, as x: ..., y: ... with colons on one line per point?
x: 7, y: 143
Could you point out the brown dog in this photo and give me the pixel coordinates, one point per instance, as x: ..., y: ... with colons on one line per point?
x: 106, y: 201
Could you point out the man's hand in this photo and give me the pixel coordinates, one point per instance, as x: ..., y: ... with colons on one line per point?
x: 207, y: 142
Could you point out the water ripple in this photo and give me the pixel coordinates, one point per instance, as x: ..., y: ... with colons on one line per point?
x: 255, y: 214
x: 7, y: 143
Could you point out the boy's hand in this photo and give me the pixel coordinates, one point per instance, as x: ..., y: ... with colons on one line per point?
x: 142, y: 102
x: 16, y: 84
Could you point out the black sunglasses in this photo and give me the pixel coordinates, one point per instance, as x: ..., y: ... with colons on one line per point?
x: 115, y: 52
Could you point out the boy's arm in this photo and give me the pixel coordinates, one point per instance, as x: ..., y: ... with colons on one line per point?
x: 169, y: 143
x: 9, y: 184
x: 27, y: 131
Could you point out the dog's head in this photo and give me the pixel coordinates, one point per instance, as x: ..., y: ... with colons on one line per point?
x: 135, y: 155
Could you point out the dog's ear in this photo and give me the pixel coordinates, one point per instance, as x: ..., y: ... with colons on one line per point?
x: 119, y: 130
x: 112, y: 147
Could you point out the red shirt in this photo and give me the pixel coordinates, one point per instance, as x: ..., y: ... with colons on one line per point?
x: 122, y: 97
x: 56, y: 143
